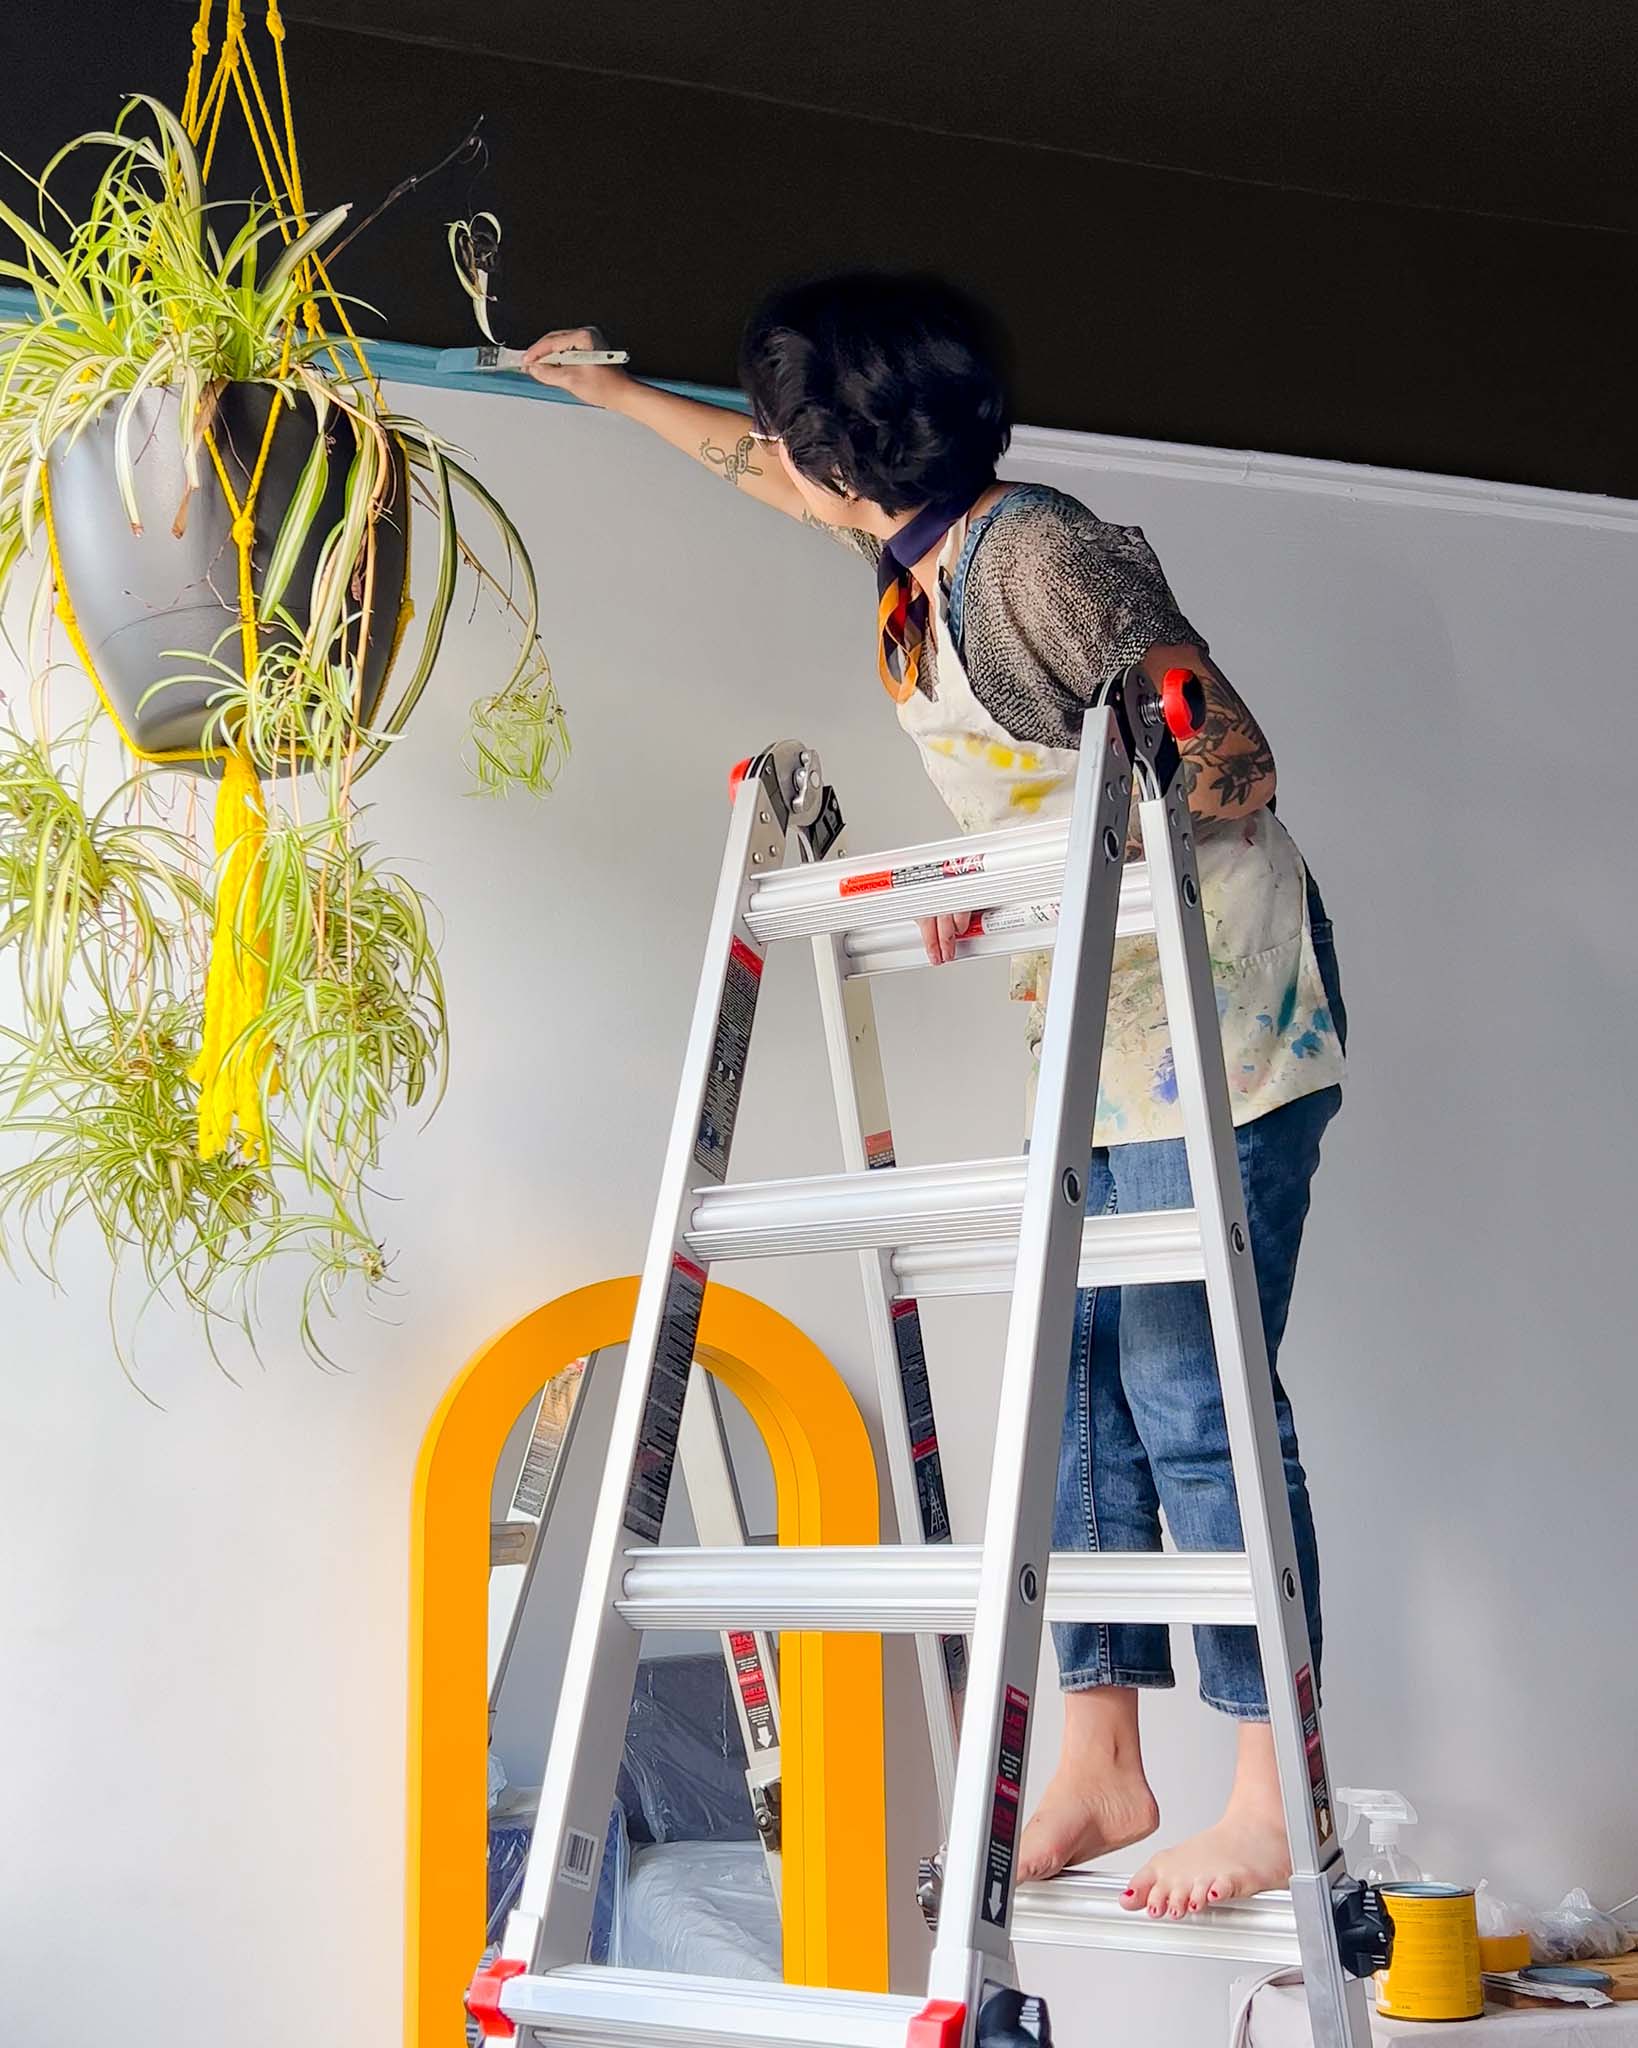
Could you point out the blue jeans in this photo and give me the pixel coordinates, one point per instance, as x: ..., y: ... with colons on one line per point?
x: 1143, y: 1422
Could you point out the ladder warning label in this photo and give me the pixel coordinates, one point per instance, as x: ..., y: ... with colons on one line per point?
x: 907, y: 877
x: 1319, y: 1789
x: 662, y: 1414
x: 546, y: 1442
x: 753, y: 1689
x: 878, y: 1150
x: 740, y: 986
x: 1009, y: 1780
x: 918, y: 1420
x: 932, y: 1505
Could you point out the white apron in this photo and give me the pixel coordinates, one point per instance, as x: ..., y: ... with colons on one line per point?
x: 1279, y: 1041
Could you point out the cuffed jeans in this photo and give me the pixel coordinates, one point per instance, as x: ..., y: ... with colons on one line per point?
x: 1144, y: 1431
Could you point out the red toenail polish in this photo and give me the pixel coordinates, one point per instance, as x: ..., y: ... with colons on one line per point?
x: 1130, y: 1892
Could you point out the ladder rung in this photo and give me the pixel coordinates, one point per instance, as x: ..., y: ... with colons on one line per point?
x: 983, y: 871
x: 1004, y: 929
x: 1149, y: 1249
x: 613, y: 2007
x: 976, y: 1205
x: 1082, y: 1909
x: 916, y: 1589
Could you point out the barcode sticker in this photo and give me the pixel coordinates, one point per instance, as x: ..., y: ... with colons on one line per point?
x: 579, y: 1865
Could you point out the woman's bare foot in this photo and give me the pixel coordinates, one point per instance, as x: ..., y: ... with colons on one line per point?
x: 1245, y: 1852
x: 1098, y: 1800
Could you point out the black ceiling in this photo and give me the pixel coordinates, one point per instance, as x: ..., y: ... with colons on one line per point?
x: 1393, y: 231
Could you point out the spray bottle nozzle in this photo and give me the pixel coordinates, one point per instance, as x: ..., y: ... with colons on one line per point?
x: 1387, y: 1813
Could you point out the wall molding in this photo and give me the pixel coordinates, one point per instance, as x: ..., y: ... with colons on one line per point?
x: 402, y: 362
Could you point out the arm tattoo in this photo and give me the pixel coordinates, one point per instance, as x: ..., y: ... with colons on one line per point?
x: 1228, y: 757
x: 735, y: 462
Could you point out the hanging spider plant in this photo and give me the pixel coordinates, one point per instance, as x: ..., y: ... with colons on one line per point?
x: 219, y: 501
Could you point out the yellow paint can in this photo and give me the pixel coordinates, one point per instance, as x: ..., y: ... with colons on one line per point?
x: 1434, y: 1974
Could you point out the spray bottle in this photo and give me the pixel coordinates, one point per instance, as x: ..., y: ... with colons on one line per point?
x: 1387, y: 1813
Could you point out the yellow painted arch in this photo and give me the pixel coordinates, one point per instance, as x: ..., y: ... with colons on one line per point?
x: 834, y: 1798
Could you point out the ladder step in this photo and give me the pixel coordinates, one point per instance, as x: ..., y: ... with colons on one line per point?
x: 1149, y: 1249
x: 607, y: 2006
x: 917, y: 1589
x: 973, y: 1208
x: 1004, y: 929
x: 983, y: 871
x: 1082, y: 1909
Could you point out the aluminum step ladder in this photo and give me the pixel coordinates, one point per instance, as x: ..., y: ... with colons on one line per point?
x: 1011, y: 1224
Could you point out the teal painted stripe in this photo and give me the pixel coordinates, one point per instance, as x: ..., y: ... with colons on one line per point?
x: 407, y: 362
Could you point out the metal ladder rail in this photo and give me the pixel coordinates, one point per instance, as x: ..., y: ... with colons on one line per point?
x: 1336, y: 1999
x: 909, y: 1429
x: 972, y: 1951
x: 549, y: 1927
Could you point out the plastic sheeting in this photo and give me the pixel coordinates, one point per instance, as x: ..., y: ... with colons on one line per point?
x: 703, y: 1907
x: 684, y: 1883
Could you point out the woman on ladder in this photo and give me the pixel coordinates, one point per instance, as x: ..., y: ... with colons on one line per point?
x: 880, y: 411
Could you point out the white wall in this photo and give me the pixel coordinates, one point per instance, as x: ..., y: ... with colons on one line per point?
x: 202, y: 1616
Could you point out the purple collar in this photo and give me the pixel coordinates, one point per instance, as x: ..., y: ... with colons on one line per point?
x: 904, y: 549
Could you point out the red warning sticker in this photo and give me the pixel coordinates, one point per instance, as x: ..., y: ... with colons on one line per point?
x: 753, y: 1688
x: 1319, y: 1789
x: 906, y: 877
x: 878, y: 1149
x: 1009, y: 1779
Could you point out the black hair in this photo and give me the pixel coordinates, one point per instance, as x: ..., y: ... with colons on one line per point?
x: 890, y: 387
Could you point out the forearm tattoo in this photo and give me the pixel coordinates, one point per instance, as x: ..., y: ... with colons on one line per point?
x: 735, y: 462
x: 1228, y: 758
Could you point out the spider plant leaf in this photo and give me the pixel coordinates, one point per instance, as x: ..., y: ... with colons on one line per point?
x: 178, y: 145
x: 298, y: 520
x: 296, y: 253
x: 425, y: 453
x: 359, y: 499
x: 151, y: 373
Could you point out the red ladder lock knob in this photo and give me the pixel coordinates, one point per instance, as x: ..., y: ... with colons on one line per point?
x: 939, y: 2024
x: 484, y: 1996
x: 1183, y: 701
x: 736, y: 775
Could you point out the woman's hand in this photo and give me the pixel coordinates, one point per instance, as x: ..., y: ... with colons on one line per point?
x: 601, y: 384
x: 939, y: 935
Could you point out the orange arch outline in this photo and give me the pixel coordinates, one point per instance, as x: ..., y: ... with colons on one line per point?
x: 834, y: 1791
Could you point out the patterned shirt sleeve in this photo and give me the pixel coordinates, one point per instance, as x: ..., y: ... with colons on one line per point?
x: 1058, y: 602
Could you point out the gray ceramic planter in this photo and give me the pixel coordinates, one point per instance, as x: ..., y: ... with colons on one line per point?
x: 151, y: 605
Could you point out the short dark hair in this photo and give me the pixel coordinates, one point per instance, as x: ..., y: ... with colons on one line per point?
x: 891, y: 387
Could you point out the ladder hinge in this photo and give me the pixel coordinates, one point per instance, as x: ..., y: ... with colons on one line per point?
x: 1013, y: 2019
x: 765, y: 1810
x: 1364, y: 1928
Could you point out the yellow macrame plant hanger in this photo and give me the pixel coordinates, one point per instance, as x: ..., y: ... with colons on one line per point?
x: 233, y: 1066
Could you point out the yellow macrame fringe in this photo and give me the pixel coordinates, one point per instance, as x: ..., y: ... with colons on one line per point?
x: 233, y: 1057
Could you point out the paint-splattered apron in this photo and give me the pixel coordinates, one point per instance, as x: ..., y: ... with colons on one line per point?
x: 1279, y: 1039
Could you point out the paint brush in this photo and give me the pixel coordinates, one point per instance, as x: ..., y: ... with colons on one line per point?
x: 491, y: 356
